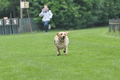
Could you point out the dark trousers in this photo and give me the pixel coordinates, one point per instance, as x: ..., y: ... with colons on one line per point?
x: 46, y: 24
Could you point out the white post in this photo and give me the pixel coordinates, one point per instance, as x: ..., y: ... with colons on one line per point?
x: 20, y: 10
x: 20, y: 17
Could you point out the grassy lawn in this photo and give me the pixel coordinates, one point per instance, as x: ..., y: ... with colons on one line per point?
x: 93, y: 55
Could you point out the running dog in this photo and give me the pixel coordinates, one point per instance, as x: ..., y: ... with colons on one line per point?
x: 61, y: 41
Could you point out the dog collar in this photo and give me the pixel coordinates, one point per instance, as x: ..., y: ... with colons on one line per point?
x: 61, y: 40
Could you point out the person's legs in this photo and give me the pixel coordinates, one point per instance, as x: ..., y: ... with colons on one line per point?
x: 46, y: 24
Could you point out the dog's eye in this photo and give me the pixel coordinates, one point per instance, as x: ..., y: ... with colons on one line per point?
x: 61, y: 34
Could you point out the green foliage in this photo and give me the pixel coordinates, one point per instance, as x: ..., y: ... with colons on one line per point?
x: 93, y: 55
x: 67, y: 14
x: 4, y: 4
x: 9, y: 6
x: 4, y: 7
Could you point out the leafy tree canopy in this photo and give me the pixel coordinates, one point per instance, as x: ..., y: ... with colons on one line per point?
x: 67, y: 14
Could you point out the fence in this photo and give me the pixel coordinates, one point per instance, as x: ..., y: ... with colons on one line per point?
x: 15, y: 26
x: 114, y: 25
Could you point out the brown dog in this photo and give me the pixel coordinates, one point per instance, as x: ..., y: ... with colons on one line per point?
x: 61, y: 41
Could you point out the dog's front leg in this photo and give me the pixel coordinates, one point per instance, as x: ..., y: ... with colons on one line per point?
x: 58, y: 51
x: 66, y: 50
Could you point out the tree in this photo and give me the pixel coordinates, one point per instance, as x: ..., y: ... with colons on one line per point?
x: 9, y: 6
x: 67, y: 14
x: 4, y: 8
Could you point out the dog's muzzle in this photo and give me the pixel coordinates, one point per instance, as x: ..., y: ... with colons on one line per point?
x: 63, y: 37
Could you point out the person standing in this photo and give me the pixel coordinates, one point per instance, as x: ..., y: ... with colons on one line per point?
x: 47, y: 15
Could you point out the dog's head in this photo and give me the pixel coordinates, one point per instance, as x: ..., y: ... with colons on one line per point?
x: 62, y: 35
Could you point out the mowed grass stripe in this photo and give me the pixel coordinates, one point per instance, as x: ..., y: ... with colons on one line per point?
x: 93, y: 55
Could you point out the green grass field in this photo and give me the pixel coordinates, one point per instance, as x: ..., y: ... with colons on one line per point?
x: 93, y: 55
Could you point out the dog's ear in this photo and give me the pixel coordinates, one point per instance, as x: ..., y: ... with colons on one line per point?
x: 57, y: 34
x: 66, y: 32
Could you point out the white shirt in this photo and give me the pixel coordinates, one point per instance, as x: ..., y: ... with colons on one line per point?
x: 46, y: 16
